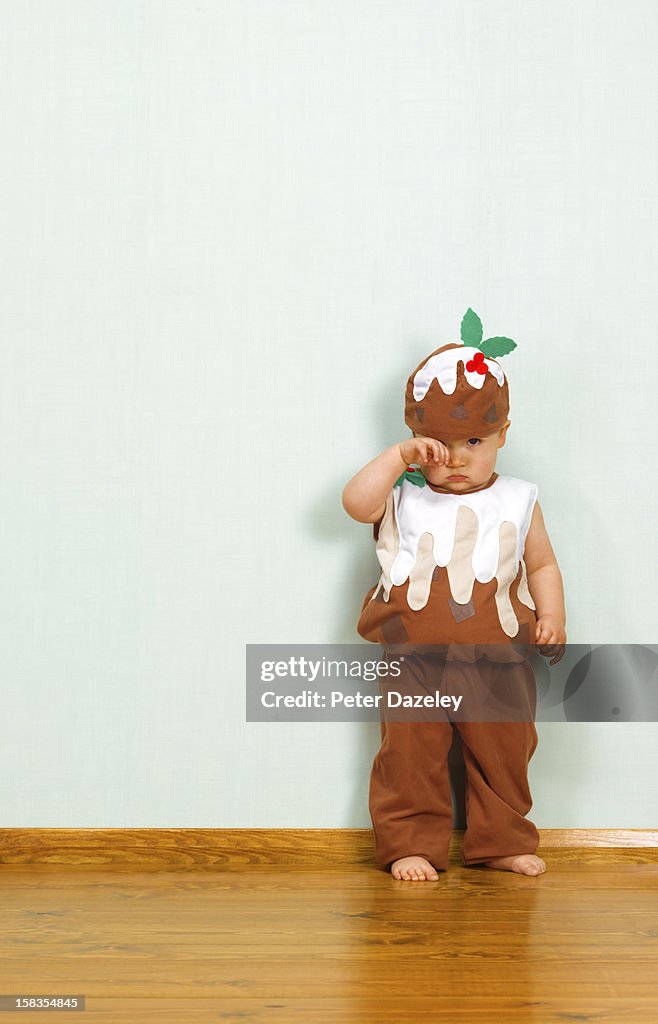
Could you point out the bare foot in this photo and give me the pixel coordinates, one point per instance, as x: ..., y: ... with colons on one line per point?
x: 524, y: 864
x: 413, y: 869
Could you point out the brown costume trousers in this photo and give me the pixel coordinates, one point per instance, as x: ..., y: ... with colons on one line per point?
x: 410, y: 799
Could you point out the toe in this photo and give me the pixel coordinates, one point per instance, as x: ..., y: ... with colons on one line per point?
x: 534, y: 866
x: 414, y: 871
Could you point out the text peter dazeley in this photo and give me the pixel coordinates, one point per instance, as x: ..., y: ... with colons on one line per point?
x: 394, y: 699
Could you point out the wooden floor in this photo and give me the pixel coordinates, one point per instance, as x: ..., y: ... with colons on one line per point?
x: 300, y: 943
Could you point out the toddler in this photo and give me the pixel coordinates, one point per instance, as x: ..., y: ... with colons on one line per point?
x: 465, y: 559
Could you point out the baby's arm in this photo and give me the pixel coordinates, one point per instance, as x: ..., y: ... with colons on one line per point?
x: 545, y: 582
x: 364, y: 497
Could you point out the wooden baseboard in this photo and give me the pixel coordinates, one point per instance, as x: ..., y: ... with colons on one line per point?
x: 199, y: 849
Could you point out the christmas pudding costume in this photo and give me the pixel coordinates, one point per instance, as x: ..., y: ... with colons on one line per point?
x: 452, y: 572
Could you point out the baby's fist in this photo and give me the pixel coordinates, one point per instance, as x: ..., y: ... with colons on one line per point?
x: 423, y: 451
x: 551, y: 638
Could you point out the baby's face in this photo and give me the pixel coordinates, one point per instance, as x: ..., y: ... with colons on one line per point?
x: 471, y: 463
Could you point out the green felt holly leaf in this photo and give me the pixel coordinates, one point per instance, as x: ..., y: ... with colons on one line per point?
x: 471, y: 329
x: 416, y: 477
x: 494, y: 347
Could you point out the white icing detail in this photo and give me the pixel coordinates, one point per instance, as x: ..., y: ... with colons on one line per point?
x: 523, y: 593
x: 460, y: 569
x: 443, y: 366
x: 420, y: 578
x: 506, y: 614
x: 421, y: 510
x: 388, y: 545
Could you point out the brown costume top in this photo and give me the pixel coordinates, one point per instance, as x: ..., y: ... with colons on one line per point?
x: 452, y: 566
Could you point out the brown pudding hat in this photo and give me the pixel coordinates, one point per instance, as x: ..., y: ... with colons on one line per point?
x: 460, y: 390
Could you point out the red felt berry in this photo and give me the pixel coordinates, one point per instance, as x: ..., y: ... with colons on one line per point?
x: 470, y: 365
x: 479, y: 356
x: 480, y: 368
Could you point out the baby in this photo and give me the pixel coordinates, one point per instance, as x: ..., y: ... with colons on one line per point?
x: 465, y: 558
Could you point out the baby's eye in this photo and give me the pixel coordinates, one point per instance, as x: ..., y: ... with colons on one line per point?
x: 476, y: 439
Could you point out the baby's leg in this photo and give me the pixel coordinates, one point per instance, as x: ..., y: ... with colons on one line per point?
x: 496, y: 755
x: 410, y: 803
x: 498, y: 797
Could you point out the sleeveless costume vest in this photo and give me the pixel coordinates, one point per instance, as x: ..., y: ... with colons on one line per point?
x: 452, y: 568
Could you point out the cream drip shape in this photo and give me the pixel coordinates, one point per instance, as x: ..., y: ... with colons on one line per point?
x: 443, y: 367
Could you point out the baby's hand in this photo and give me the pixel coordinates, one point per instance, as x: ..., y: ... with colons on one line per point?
x: 423, y: 451
x: 551, y: 634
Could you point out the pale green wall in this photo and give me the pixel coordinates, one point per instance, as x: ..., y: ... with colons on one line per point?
x: 230, y: 230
